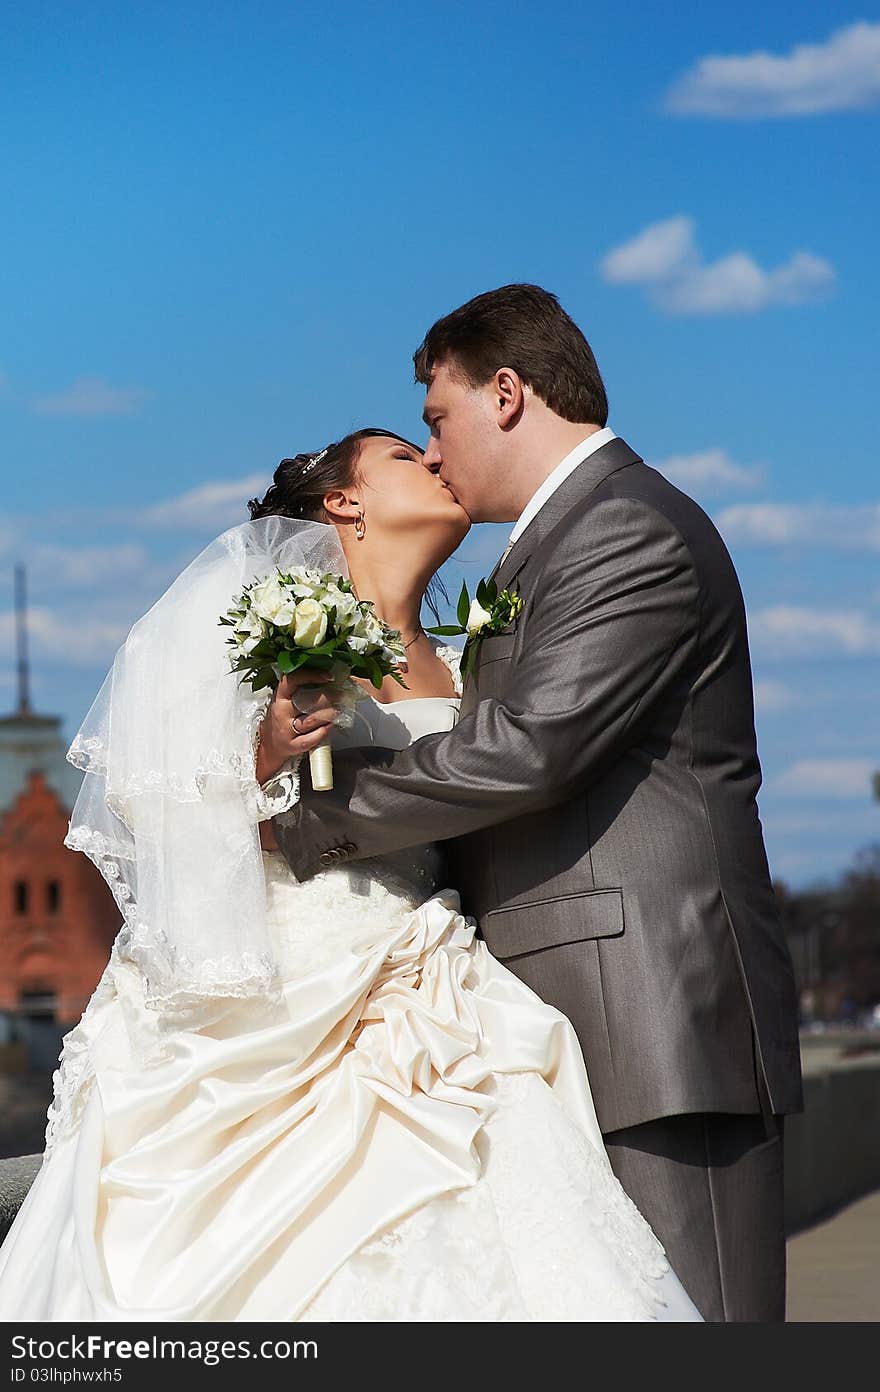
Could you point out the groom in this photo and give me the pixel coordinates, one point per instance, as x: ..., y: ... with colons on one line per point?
x: 598, y: 793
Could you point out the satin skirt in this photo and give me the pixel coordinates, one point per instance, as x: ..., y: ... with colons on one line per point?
x: 409, y: 1135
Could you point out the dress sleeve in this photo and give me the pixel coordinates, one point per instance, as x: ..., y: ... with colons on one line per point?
x: 280, y: 792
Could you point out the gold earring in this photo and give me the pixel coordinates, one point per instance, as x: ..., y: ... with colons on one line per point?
x: 360, y: 526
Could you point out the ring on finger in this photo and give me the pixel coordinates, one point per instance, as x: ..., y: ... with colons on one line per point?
x: 297, y: 717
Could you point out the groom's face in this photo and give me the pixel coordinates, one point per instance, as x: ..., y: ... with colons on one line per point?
x: 460, y: 419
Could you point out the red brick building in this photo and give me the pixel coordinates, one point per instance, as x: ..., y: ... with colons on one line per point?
x: 57, y: 921
x: 58, y: 918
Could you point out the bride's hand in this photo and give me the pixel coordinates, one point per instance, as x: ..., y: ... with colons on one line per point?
x: 279, y: 741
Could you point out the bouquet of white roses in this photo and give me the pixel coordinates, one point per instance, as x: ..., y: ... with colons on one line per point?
x: 307, y: 619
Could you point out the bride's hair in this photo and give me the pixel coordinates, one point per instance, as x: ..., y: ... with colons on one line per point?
x: 299, y: 485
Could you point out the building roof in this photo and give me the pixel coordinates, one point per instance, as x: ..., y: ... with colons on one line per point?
x: 28, y: 743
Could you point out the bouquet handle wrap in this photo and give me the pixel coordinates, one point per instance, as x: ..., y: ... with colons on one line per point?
x: 347, y: 694
x: 321, y: 768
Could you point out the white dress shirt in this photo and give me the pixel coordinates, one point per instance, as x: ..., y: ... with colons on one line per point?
x: 553, y: 481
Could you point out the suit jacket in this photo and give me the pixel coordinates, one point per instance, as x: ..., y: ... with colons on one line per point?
x: 597, y: 800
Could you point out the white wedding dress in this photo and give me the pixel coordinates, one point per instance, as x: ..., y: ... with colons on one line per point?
x: 408, y: 1136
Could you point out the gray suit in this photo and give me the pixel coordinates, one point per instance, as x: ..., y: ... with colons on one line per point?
x: 598, y: 801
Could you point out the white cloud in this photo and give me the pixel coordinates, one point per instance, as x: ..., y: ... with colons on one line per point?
x: 842, y: 74
x: 72, y: 567
x: 773, y: 695
x: 211, y: 506
x: 830, y: 778
x: 665, y: 259
x: 654, y: 254
x: 81, y: 642
x: 843, y: 528
x: 91, y: 396
x: 55, y: 567
x: 710, y: 471
x: 792, y: 631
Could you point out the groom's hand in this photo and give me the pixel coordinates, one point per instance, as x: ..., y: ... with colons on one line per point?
x: 285, y: 731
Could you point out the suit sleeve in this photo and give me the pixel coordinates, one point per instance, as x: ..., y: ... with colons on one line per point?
x: 611, y: 625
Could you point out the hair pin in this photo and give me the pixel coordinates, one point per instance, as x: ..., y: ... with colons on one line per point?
x: 312, y: 462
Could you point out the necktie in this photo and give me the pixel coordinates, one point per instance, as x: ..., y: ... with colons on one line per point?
x: 507, y: 550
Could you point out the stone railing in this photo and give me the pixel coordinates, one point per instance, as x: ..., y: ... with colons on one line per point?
x: 832, y: 1149
x: 16, y: 1177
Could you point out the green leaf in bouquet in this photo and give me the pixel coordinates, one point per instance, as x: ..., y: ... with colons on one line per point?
x: 464, y: 606
x: 375, y: 671
x: 446, y: 630
x: 285, y: 661
x: 263, y: 677
x: 298, y: 659
x: 265, y: 648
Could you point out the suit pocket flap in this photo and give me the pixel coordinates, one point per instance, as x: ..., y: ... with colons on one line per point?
x: 496, y: 645
x: 597, y: 913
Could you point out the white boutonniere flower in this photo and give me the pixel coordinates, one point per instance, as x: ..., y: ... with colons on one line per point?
x: 488, y: 612
x: 477, y: 618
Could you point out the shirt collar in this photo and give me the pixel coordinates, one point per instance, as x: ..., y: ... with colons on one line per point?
x: 567, y: 466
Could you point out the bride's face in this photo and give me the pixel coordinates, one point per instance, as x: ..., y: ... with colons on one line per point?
x: 402, y: 497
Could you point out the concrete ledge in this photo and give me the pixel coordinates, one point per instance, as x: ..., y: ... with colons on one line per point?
x: 832, y: 1150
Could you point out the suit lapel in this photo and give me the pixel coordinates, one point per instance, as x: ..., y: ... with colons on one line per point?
x: 569, y: 495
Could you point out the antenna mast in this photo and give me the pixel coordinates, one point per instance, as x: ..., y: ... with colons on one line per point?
x: 24, y: 700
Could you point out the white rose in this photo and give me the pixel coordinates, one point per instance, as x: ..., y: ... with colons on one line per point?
x: 309, y: 624
x: 272, y: 601
x: 477, y: 618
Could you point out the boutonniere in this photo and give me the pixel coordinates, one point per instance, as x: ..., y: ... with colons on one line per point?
x: 488, y: 612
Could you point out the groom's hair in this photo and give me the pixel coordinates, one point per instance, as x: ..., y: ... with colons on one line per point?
x: 526, y: 328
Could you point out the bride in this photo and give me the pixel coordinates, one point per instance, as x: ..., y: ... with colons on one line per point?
x: 318, y: 1101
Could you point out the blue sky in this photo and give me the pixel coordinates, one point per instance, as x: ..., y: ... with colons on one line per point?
x: 226, y: 227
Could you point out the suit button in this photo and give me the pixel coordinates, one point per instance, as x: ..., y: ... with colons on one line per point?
x: 349, y: 847
x: 326, y: 858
